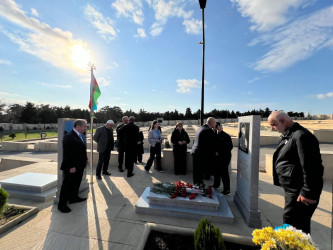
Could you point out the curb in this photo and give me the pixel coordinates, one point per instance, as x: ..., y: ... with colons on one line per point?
x: 31, y: 211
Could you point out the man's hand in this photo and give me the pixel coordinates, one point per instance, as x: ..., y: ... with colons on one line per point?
x: 72, y: 170
x: 306, y: 201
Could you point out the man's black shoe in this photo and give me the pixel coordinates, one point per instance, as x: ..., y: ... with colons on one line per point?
x: 106, y: 173
x: 226, y: 192
x: 130, y: 175
x: 78, y: 199
x: 98, y: 177
x: 64, y: 209
x: 120, y: 170
x: 215, y: 186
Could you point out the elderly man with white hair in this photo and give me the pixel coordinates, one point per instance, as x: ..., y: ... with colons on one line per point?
x: 105, y: 144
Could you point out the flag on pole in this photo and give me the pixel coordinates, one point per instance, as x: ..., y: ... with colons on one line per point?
x: 94, y: 93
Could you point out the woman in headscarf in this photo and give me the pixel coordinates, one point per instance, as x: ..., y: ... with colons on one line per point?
x: 179, y: 139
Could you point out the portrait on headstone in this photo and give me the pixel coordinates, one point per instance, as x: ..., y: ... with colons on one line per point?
x: 243, y: 136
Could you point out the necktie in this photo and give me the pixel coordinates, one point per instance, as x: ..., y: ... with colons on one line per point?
x: 82, y: 138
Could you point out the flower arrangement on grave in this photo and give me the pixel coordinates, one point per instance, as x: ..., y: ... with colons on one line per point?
x: 284, y: 237
x: 181, y: 189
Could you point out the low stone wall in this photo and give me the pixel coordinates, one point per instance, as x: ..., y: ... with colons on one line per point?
x: 46, y: 146
x: 324, y: 135
x: 327, y: 158
x: 168, y: 160
x: 14, y: 146
x: 113, y: 164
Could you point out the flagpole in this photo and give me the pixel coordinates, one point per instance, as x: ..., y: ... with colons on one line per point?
x: 92, y: 67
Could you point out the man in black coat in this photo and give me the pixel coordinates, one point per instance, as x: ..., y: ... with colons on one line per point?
x: 298, y: 169
x: 73, y: 164
x: 204, y: 151
x: 130, y: 135
x: 224, y: 147
x: 105, y: 143
x: 120, y: 144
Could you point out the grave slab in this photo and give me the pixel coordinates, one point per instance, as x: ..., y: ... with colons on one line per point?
x: 34, y: 182
x: 222, y: 215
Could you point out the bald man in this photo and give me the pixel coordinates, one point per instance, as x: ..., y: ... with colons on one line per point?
x: 298, y: 169
x: 204, y: 151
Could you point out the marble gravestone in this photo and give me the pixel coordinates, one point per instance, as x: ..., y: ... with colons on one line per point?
x: 65, y: 125
x: 246, y: 195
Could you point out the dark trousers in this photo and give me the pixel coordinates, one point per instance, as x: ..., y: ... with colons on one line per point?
x: 70, y: 186
x: 297, y: 214
x: 198, y: 172
x: 103, y: 161
x: 120, y: 157
x: 179, y: 161
x: 222, y: 171
x: 129, y: 161
x: 139, y: 157
x: 155, y: 151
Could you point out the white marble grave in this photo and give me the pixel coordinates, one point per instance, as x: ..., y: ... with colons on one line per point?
x: 34, y: 186
x: 216, y: 208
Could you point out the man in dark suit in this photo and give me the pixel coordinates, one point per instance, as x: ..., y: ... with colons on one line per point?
x: 224, y: 148
x: 130, y: 135
x: 204, y: 151
x: 105, y: 143
x: 120, y: 144
x: 73, y: 164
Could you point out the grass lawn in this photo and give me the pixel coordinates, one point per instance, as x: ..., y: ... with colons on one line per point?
x: 29, y: 136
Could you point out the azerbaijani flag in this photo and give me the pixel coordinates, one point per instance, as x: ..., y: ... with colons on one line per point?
x: 94, y: 91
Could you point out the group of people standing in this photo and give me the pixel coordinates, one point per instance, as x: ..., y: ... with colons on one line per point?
x: 297, y: 163
x: 211, y: 154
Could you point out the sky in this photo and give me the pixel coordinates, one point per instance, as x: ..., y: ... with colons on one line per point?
x: 147, y: 54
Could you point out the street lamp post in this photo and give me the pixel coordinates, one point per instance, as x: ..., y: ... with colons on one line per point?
x: 203, y: 6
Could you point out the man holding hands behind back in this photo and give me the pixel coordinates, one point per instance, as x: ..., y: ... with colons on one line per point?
x: 298, y: 169
x: 73, y: 164
x: 105, y: 144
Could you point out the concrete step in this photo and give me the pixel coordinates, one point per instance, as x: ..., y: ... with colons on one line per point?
x: 35, y: 196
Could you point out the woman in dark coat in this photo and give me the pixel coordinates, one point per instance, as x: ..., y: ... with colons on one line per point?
x: 179, y: 139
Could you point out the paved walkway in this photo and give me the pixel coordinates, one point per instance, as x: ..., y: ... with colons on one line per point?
x: 108, y: 220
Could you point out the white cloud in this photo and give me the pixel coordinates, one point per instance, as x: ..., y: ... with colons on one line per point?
x: 164, y: 10
x: 269, y: 14
x: 104, y: 25
x: 57, y: 85
x: 254, y: 79
x: 247, y: 93
x: 130, y: 9
x: 6, y: 62
x: 141, y: 33
x: 324, y: 96
x: 36, y: 41
x: 186, y: 85
x: 34, y: 12
x: 193, y: 26
x: 296, y: 41
x: 102, y: 81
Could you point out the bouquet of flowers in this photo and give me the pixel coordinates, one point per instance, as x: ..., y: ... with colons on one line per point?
x: 285, y: 237
x: 181, y: 189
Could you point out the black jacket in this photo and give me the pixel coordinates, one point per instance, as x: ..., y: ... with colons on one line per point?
x: 120, y: 139
x: 205, y: 142
x: 224, y: 145
x: 129, y: 135
x: 74, y: 152
x: 297, y: 164
x: 177, y: 136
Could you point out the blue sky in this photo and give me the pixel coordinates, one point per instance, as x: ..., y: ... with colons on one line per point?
x: 259, y: 53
